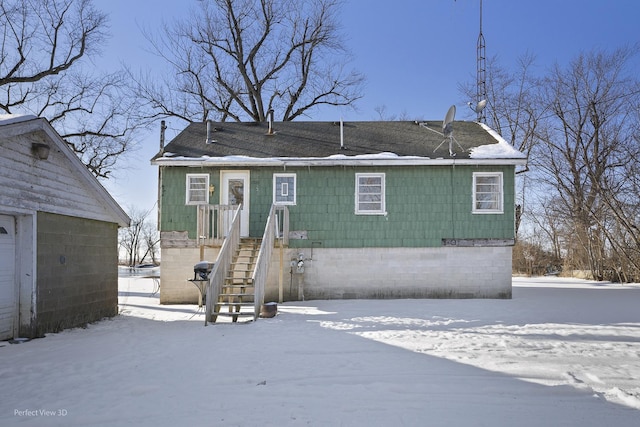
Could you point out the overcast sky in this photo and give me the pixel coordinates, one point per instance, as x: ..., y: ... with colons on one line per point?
x: 414, y: 54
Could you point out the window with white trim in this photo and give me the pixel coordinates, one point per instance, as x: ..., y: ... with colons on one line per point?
x: 370, y: 197
x: 487, y: 192
x: 197, y: 189
x: 284, y: 189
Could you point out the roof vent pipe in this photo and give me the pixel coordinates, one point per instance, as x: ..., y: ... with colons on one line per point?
x: 163, y: 127
x: 210, y: 130
x: 342, y: 147
x: 270, y: 121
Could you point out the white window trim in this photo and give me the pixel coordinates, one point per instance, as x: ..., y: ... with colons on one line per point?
x: 500, y: 209
x: 383, y: 210
x: 188, y: 200
x: 295, y: 188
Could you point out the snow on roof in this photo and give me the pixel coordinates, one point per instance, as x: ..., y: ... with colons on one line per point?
x: 376, y: 142
x: 7, y: 119
x: 501, y: 150
x: 377, y: 156
x: 249, y: 159
x: 495, y: 151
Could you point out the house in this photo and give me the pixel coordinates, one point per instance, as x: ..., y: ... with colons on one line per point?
x: 58, y: 234
x: 375, y: 209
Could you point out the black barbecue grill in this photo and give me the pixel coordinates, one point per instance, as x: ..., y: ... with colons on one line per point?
x: 202, y: 270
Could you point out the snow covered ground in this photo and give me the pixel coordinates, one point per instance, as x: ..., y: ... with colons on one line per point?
x: 562, y: 352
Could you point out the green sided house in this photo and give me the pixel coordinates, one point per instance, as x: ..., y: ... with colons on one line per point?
x: 355, y: 210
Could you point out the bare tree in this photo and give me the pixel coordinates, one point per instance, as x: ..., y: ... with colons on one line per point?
x: 151, y: 238
x: 580, y: 126
x: 238, y: 59
x: 44, y: 48
x: 513, y: 108
x: 140, y: 239
x: 513, y: 111
x: 383, y: 114
x: 588, y: 148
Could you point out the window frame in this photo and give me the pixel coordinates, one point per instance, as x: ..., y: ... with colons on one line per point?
x: 295, y: 189
x: 383, y: 204
x: 500, y: 208
x: 189, y: 190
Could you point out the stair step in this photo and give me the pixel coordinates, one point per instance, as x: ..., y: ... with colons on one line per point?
x: 234, y: 299
x: 234, y: 308
x: 220, y: 305
x: 245, y: 290
x: 241, y: 280
x: 242, y: 266
x: 240, y: 274
x: 236, y: 295
x: 243, y: 262
x: 239, y: 313
x: 233, y: 286
x: 235, y: 304
x: 234, y: 316
x: 238, y: 289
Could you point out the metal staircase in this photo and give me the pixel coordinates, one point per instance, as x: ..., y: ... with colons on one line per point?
x: 237, y: 294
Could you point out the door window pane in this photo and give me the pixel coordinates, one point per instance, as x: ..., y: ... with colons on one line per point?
x: 236, y: 191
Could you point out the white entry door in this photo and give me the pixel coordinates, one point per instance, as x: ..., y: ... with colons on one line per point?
x: 8, y: 298
x: 235, y: 191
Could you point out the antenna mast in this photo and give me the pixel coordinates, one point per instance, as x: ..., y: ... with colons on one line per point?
x: 481, y: 76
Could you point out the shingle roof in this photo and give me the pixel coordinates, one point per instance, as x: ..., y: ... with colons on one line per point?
x: 322, y: 139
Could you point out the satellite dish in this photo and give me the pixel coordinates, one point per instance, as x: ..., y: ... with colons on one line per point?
x: 447, y: 131
x: 447, y: 124
x: 480, y: 106
x: 478, y: 109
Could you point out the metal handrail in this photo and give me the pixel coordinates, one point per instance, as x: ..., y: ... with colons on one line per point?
x: 222, y: 264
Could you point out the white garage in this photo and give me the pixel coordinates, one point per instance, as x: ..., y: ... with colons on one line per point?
x: 8, y: 294
x: 58, y: 234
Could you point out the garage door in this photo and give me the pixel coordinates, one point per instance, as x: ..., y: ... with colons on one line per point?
x: 8, y: 298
